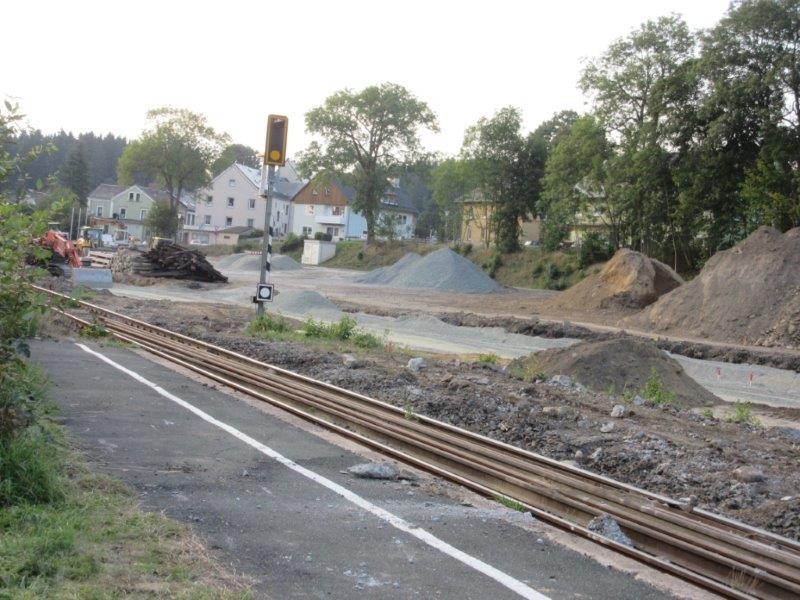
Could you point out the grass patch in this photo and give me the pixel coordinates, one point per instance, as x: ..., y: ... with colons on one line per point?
x: 343, y: 334
x: 82, y: 293
x: 531, y: 267
x: 270, y: 326
x: 344, y: 330
x: 742, y: 413
x: 489, y: 359
x: 359, y: 255
x: 654, y: 390
x: 510, y: 503
x: 93, y: 331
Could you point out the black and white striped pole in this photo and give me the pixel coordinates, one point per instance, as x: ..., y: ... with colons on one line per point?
x: 274, y: 155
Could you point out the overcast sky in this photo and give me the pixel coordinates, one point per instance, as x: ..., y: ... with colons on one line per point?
x: 99, y: 66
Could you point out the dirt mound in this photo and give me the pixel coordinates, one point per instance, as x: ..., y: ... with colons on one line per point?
x: 443, y: 270
x: 628, y: 280
x: 747, y: 294
x: 622, y: 365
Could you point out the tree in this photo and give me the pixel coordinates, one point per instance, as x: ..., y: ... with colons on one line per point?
x: 178, y: 150
x: 451, y: 180
x: 509, y: 168
x: 75, y: 173
x: 162, y: 219
x: 366, y: 137
x: 244, y: 155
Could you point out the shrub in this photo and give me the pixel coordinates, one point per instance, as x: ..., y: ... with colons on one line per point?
x: 654, y: 389
x: 742, y: 413
x: 325, y: 237
x: 291, y: 243
x: 467, y: 249
x: 268, y: 325
x: 594, y: 248
x: 346, y: 329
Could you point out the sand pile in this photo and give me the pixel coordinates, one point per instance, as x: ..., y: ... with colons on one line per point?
x: 620, y: 365
x: 747, y: 294
x: 443, y: 270
x: 628, y: 280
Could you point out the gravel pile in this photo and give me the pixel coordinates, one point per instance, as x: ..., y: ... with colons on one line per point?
x: 443, y: 270
x: 306, y: 303
x: 252, y: 262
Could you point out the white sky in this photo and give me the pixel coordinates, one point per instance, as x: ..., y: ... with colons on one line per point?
x: 99, y: 66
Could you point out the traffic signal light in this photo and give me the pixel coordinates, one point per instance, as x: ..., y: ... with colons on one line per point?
x: 277, y: 128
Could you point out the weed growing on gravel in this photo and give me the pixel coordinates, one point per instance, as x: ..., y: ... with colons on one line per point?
x: 269, y: 326
x: 742, y: 413
x: 344, y: 330
x: 510, y: 503
x: 654, y: 390
x: 94, y: 330
x: 408, y: 411
x: 708, y: 413
x: 491, y: 359
x: 82, y: 293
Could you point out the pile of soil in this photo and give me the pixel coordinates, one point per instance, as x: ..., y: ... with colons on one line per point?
x: 629, y: 280
x: 621, y: 365
x: 745, y: 295
x: 442, y: 270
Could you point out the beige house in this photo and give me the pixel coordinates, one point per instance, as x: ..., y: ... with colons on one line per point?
x: 476, y: 219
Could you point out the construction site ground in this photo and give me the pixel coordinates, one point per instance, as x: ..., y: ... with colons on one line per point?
x: 745, y: 470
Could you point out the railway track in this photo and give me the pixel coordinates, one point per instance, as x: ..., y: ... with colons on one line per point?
x: 724, y: 556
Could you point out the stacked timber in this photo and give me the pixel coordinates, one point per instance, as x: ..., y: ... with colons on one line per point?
x: 167, y: 260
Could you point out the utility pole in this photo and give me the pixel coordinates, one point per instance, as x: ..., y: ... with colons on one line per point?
x: 267, y: 180
x: 274, y: 156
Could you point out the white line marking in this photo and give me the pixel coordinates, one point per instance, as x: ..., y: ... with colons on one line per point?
x: 502, y: 578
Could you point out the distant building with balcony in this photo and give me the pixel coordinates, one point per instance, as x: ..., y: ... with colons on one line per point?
x: 327, y: 208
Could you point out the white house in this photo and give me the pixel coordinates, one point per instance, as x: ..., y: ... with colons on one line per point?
x: 233, y: 200
x: 327, y: 208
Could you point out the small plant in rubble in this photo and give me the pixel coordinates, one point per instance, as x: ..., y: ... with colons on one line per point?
x: 654, y: 390
x: 742, y: 413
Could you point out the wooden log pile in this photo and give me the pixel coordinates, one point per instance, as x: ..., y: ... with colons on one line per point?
x: 167, y: 260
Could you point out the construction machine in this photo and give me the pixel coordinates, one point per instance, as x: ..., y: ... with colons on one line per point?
x: 65, y: 260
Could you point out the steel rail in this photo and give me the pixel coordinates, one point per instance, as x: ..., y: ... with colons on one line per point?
x: 730, y: 558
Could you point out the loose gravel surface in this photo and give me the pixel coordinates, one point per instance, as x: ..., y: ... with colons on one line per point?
x: 746, y: 471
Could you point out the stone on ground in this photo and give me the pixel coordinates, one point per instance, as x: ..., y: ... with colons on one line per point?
x: 374, y: 471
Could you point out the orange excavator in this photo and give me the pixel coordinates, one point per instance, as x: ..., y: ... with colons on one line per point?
x: 64, y: 252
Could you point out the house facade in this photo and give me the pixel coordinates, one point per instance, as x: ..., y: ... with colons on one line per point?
x: 476, y: 220
x: 233, y: 200
x: 122, y: 211
x: 327, y: 208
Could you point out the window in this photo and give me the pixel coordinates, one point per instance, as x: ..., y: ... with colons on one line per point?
x: 99, y: 211
x: 403, y: 219
x: 228, y: 221
x: 314, y: 193
x: 130, y: 196
x: 249, y: 222
x: 251, y: 203
x: 327, y: 191
x: 138, y: 199
x: 306, y: 231
x: 209, y: 199
x: 207, y: 219
x: 231, y: 183
x: 279, y: 215
x: 190, y: 218
x: 336, y: 210
x: 309, y: 209
x: 143, y: 214
x: 230, y: 202
x: 333, y: 231
x: 122, y: 213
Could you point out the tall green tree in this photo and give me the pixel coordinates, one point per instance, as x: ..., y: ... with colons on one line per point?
x: 162, y: 219
x: 177, y: 150
x: 244, y: 155
x: 509, y: 168
x: 451, y: 180
x: 75, y: 173
x: 365, y: 137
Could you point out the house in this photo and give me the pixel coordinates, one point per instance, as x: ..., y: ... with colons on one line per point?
x: 122, y: 209
x: 233, y: 199
x: 327, y: 208
x: 476, y: 219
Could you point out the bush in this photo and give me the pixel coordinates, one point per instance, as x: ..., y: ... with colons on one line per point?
x: 345, y: 330
x: 654, y: 390
x: 594, y: 248
x: 325, y: 237
x: 247, y: 246
x: 493, y: 264
x: 268, y: 325
x: 292, y: 243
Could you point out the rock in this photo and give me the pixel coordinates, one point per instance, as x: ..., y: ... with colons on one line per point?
x: 638, y: 400
x: 618, y: 411
x: 447, y: 378
x: 562, y: 381
x: 415, y: 364
x: 557, y: 411
x: 607, y: 427
x: 606, y: 526
x: 374, y: 471
x: 351, y: 362
x: 596, y: 455
x: 748, y: 474
x: 578, y: 454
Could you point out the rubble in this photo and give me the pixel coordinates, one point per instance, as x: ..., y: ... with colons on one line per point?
x: 606, y: 526
x: 374, y: 471
x: 166, y: 260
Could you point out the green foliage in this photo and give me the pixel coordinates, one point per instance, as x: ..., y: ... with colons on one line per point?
x: 178, y: 150
x: 366, y: 136
x: 269, y: 326
x: 323, y: 236
x: 75, y: 173
x: 510, y: 503
x: 244, y: 155
x: 346, y: 329
x: 654, y: 390
x: 291, y: 243
x: 594, y: 249
x: 493, y: 264
x: 742, y: 413
x: 29, y: 470
x: 163, y: 219
x: 490, y: 359
x: 451, y: 180
x: 707, y: 413
x: 94, y: 331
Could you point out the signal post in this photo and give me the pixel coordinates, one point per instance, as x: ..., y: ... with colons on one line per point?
x: 274, y: 156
